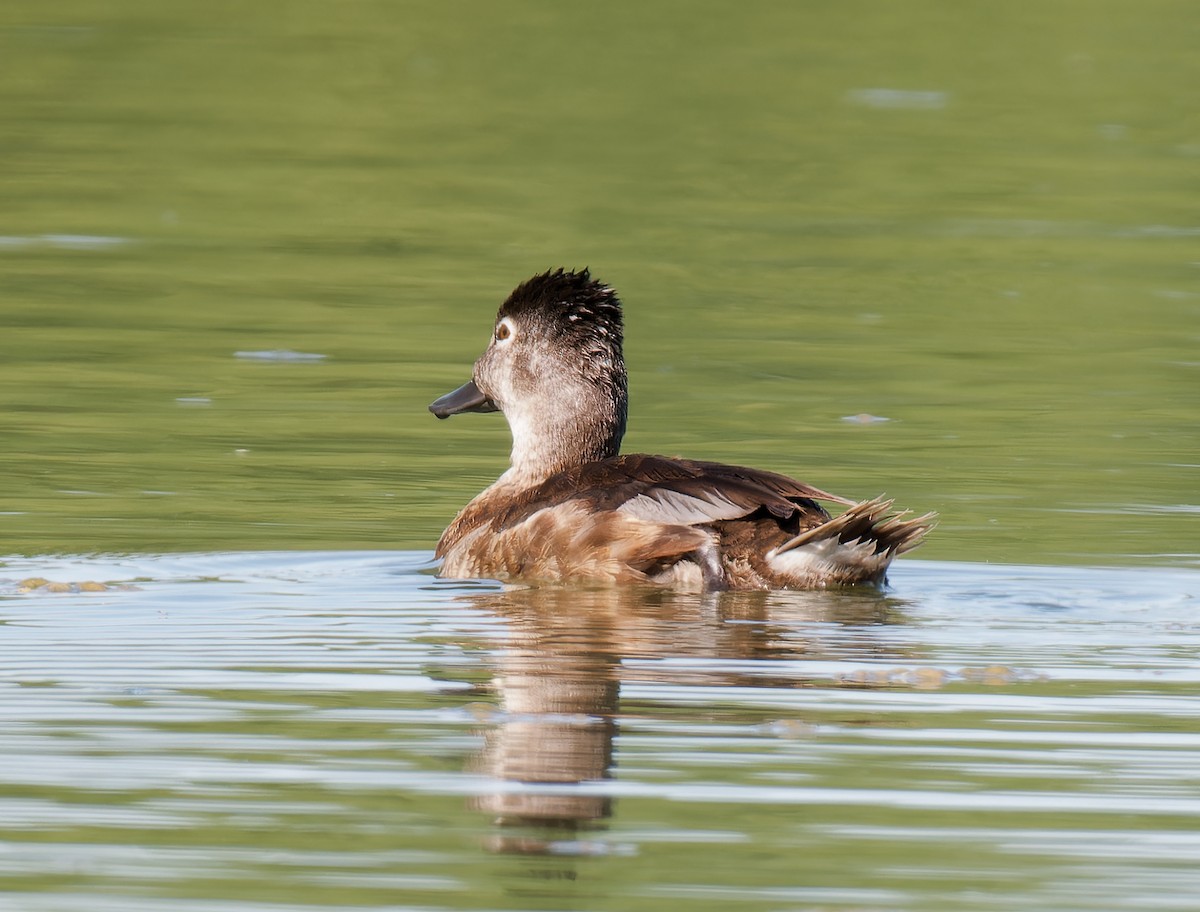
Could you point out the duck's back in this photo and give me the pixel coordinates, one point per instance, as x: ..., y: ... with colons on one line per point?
x: 668, y: 521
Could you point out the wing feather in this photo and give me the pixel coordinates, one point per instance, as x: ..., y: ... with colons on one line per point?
x: 661, y: 489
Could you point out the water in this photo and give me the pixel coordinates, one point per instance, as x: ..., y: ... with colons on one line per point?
x: 944, y: 251
x: 339, y: 730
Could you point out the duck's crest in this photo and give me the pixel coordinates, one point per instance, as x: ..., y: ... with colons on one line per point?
x: 570, y: 301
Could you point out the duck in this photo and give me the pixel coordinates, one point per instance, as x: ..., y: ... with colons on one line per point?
x: 572, y: 508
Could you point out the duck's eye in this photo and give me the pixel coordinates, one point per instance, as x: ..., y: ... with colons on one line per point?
x: 504, y: 331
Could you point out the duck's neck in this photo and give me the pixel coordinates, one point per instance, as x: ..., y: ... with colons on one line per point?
x: 584, y: 426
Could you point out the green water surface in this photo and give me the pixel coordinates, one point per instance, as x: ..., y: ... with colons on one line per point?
x: 980, y: 221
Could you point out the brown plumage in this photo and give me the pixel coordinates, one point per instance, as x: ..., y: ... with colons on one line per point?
x: 571, y: 508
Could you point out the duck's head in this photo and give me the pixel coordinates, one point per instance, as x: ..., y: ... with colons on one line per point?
x: 555, y: 368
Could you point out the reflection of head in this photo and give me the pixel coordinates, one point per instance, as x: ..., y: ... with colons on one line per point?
x: 557, y: 682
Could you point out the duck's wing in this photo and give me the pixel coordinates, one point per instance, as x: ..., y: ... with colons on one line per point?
x: 660, y: 489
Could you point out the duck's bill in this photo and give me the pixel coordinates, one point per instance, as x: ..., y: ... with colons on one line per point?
x: 467, y: 398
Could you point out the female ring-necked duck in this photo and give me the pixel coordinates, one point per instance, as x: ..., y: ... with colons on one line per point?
x: 570, y: 507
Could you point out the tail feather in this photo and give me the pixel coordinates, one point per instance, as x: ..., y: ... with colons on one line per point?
x: 869, y: 521
x: 856, y: 547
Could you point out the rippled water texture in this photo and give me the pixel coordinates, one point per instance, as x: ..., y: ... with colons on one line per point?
x: 320, y: 731
x: 943, y: 251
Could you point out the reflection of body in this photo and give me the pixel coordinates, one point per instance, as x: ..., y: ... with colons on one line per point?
x: 571, y: 508
x: 559, y: 673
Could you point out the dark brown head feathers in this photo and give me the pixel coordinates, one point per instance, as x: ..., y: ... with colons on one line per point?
x: 568, y: 302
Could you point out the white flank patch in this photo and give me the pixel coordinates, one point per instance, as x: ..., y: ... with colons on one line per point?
x: 830, y: 559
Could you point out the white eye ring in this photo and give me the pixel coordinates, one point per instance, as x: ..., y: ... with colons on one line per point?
x: 505, y: 332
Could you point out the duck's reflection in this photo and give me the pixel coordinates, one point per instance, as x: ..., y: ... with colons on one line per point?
x: 558, y: 686
x: 569, y: 651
